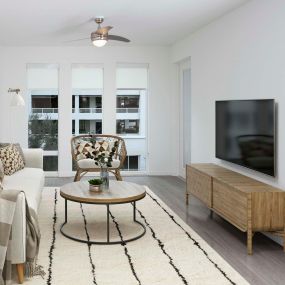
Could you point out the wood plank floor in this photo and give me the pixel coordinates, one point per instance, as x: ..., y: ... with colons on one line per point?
x: 265, y: 267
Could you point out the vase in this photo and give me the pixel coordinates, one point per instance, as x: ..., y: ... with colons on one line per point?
x: 104, y: 174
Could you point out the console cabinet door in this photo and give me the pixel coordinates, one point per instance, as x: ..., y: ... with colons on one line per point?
x: 231, y: 204
x: 200, y: 185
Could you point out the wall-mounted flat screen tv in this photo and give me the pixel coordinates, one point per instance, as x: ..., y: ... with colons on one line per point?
x: 245, y: 133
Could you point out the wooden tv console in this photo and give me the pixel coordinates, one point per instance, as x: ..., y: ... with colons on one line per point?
x: 248, y: 204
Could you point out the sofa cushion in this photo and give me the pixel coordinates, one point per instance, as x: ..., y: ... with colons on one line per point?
x: 1, y: 174
x: 90, y: 163
x: 12, y: 159
x: 29, y: 180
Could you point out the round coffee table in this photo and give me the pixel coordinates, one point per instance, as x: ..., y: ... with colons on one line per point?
x: 119, y: 192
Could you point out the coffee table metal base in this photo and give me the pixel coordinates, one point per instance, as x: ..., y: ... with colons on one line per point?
x: 108, y: 241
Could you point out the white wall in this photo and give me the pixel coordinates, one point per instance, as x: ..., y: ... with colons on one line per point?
x: 239, y: 56
x: 13, y: 61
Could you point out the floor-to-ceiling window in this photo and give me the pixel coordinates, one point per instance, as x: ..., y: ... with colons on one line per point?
x: 43, y: 111
x: 131, y: 110
x: 87, y: 92
x: 85, y: 109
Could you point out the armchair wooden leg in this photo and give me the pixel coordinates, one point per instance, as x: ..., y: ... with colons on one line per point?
x: 77, y: 176
x: 20, y: 272
x: 118, y: 175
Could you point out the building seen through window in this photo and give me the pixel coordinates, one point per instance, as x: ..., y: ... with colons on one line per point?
x: 128, y: 126
x: 128, y: 104
x: 131, y: 163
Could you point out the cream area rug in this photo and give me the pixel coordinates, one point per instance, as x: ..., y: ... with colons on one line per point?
x: 170, y: 253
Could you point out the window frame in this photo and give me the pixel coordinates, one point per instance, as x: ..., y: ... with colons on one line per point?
x: 55, y: 115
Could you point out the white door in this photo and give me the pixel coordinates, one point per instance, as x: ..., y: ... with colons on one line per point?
x: 185, y: 115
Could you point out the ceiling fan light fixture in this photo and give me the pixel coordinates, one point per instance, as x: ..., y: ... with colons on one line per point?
x: 98, y: 40
x: 101, y: 36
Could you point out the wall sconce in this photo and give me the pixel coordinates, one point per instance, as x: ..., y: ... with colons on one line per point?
x: 17, y: 100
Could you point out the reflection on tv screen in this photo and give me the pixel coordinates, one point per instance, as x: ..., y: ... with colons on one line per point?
x: 245, y: 133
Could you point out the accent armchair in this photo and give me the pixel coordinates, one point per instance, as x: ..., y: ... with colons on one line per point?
x: 83, y: 145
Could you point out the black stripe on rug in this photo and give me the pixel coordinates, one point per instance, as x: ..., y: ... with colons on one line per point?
x: 125, y: 248
x: 161, y: 245
x: 88, y: 245
x: 51, y: 250
x: 196, y: 243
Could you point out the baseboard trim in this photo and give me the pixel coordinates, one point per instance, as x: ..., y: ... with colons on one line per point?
x: 182, y: 178
x: 162, y: 173
x: 123, y: 173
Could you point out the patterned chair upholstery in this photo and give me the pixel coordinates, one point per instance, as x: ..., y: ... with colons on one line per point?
x: 83, y: 145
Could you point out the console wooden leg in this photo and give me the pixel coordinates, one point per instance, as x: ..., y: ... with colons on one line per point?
x: 249, y: 225
x: 187, y: 198
x: 20, y: 272
x: 211, y: 214
x: 249, y: 242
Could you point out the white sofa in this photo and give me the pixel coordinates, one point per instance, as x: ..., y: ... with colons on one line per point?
x: 30, y: 180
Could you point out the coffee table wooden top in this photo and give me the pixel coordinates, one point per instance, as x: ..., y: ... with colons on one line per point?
x: 118, y: 192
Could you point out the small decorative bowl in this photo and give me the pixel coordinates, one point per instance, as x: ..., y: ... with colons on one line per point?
x: 95, y: 188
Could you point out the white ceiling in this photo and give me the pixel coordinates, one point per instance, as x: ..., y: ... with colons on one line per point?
x: 147, y: 22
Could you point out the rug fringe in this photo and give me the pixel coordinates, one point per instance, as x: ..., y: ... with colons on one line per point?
x: 33, y: 269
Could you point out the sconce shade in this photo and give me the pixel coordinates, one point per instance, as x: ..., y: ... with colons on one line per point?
x: 17, y: 101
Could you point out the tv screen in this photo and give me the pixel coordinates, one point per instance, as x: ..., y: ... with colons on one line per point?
x: 245, y: 133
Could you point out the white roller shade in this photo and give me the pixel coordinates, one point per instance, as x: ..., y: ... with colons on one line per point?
x: 42, y: 76
x: 84, y: 77
x: 132, y: 77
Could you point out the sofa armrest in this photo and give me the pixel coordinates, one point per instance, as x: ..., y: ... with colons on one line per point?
x: 33, y: 157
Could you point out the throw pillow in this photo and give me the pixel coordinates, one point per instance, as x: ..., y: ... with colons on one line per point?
x: 18, y: 147
x: 84, y: 149
x: 101, y: 146
x: 11, y: 159
x: 87, y: 149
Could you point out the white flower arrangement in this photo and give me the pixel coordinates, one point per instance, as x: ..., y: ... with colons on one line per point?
x: 104, y: 159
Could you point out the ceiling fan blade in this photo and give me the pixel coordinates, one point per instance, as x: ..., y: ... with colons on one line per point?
x: 77, y: 40
x: 104, y: 30
x: 118, y: 38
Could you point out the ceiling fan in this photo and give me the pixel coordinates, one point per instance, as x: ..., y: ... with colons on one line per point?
x: 101, y: 36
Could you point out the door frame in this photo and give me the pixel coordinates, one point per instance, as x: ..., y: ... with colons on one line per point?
x: 182, y: 66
